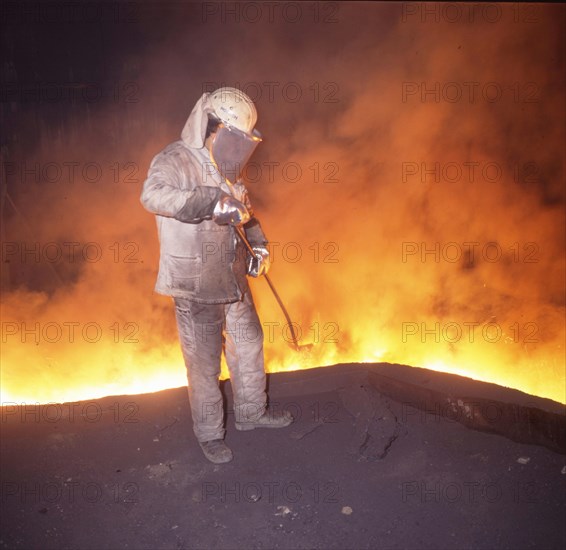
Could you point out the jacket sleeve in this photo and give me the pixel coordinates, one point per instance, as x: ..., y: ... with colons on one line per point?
x: 164, y: 195
x: 254, y: 233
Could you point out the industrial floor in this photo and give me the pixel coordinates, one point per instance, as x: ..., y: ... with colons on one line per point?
x: 367, y: 464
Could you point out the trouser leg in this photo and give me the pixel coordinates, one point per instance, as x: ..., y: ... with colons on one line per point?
x: 244, y: 356
x: 200, y: 335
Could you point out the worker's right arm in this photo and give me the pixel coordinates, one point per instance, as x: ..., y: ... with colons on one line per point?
x: 165, y: 195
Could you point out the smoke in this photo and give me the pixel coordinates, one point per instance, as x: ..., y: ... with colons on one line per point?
x: 411, y: 182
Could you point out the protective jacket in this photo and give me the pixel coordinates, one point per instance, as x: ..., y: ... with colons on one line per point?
x: 199, y: 259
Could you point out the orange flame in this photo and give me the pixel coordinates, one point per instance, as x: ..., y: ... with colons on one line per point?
x: 371, y: 245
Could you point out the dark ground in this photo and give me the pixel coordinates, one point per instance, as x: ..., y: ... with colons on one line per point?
x: 363, y: 467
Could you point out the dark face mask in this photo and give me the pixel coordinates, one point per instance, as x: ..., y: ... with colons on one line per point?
x: 231, y: 150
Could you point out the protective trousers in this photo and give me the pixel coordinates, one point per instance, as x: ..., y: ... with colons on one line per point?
x: 204, y: 330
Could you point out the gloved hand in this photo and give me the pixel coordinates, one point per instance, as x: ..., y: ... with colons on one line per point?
x: 228, y: 210
x: 258, y: 265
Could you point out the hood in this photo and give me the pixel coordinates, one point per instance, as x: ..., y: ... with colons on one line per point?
x: 195, y: 128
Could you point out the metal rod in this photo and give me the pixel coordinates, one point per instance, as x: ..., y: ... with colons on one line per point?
x: 244, y: 239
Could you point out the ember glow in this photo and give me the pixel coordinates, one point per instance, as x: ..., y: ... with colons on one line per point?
x: 418, y: 219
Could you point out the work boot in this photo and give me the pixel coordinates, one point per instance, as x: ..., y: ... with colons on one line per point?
x: 216, y: 451
x: 269, y: 419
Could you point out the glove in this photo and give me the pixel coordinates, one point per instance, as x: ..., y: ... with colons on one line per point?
x: 228, y: 210
x: 258, y: 265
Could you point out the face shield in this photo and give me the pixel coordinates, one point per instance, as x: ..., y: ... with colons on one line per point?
x: 231, y: 150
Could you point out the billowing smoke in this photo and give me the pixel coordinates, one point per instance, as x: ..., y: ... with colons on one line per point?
x: 411, y: 181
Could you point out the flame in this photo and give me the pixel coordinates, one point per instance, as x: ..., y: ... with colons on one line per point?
x: 107, y: 334
x: 148, y: 359
x: 369, y: 245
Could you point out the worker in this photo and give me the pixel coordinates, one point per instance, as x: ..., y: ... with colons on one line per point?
x: 195, y: 190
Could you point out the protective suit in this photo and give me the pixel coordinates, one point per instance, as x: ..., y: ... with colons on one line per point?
x: 202, y: 266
